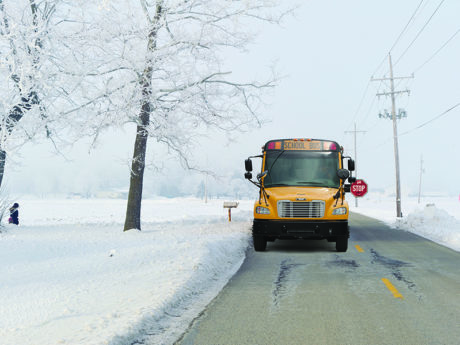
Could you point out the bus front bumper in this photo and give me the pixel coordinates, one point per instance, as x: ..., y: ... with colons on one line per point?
x: 314, y: 229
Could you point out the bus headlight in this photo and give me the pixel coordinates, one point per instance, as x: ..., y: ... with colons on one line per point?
x: 340, y: 211
x: 262, y: 210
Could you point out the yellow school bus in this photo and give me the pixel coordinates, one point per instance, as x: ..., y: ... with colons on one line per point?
x: 302, y: 192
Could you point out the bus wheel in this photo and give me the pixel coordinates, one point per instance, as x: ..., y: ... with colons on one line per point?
x: 260, y: 243
x: 341, y: 245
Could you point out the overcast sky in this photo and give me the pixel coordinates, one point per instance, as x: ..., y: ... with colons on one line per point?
x: 328, y: 53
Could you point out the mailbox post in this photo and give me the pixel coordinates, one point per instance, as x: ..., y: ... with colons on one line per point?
x: 230, y: 205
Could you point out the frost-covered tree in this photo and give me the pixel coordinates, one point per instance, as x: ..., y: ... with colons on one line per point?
x: 43, y: 93
x: 24, y: 27
x: 158, y: 64
x: 171, y: 53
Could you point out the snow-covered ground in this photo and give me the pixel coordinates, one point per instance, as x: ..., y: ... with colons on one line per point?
x: 69, y: 275
x: 435, y: 218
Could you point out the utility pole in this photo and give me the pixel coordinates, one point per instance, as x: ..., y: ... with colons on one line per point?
x: 394, y: 117
x: 206, y: 183
x: 206, y: 189
x: 420, y: 182
x: 356, y: 156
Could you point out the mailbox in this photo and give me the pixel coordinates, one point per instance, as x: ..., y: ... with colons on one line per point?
x: 230, y: 205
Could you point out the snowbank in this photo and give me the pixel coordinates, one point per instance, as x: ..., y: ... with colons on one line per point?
x: 434, y: 224
x: 35, y: 211
x: 88, y: 283
x: 438, y: 220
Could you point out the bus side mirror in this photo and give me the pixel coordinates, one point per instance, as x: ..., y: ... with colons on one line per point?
x: 248, y: 165
x: 351, y: 165
x: 343, y: 174
x: 248, y: 175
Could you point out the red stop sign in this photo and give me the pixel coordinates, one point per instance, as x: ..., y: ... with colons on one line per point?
x: 359, y: 188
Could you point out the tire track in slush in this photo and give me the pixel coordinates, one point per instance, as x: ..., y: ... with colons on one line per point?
x: 281, y: 283
x: 351, y: 265
x: 395, y: 267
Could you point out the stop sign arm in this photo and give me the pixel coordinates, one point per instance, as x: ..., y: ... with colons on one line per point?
x: 359, y: 188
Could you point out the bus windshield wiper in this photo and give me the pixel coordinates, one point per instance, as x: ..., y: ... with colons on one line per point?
x: 315, y: 184
x: 271, y: 166
x: 277, y: 185
x: 310, y: 182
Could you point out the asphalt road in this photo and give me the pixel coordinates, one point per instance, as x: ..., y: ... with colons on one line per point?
x: 304, y: 292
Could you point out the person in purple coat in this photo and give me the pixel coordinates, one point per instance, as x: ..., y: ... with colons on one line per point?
x: 14, y: 214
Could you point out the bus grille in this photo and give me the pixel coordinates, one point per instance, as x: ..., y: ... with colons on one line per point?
x: 301, y: 209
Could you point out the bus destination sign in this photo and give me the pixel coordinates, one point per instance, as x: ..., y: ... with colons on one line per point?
x: 302, y: 145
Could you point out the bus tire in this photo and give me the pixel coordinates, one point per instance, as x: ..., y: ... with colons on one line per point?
x: 260, y: 243
x: 341, y: 245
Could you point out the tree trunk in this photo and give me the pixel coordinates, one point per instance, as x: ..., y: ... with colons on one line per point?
x: 133, y: 210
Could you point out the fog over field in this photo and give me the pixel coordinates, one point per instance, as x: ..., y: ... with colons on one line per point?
x: 327, y: 53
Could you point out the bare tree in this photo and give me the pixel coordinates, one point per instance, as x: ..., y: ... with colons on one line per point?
x: 156, y: 63
x: 184, y: 88
x: 48, y: 90
x: 166, y: 58
x: 34, y: 100
x: 22, y: 31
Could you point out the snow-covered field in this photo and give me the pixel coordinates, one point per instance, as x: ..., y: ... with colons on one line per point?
x: 70, y: 275
x: 435, y: 218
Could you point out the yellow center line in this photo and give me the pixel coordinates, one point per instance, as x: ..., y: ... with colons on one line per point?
x: 359, y: 249
x: 393, y: 290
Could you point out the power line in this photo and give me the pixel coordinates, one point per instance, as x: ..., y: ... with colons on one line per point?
x: 420, y: 32
x: 437, y: 51
x: 433, y: 119
x: 399, y: 36
x: 380, y: 65
x: 419, y: 126
x: 361, y: 102
x: 371, y: 127
x: 384, y: 59
x: 369, y: 110
x: 407, y: 25
x: 382, y: 143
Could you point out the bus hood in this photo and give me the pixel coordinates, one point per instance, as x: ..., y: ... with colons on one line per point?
x: 301, y: 193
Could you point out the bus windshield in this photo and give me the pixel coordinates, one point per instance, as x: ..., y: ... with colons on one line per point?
x: 301, y: 168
